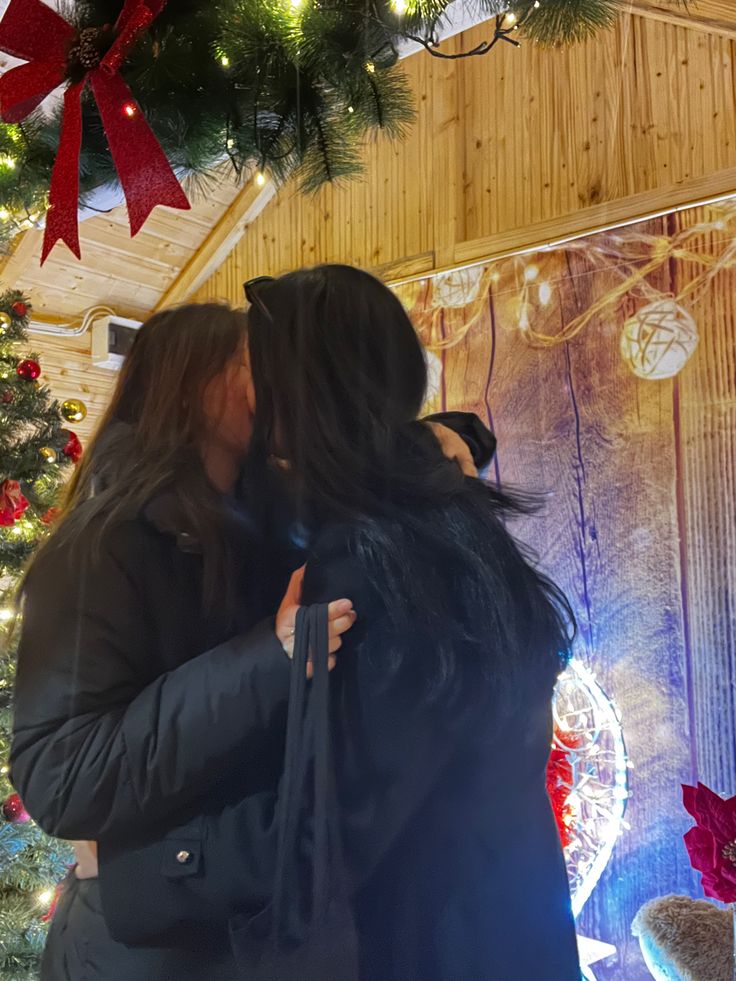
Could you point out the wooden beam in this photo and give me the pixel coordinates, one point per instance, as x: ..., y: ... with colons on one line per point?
x: 587, y: 221
x: 28, y: 247
x: 220, y: 242
x: 709, y: 16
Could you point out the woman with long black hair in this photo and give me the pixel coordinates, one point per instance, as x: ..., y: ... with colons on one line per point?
x: 152, y: 679
x: 442, y: 722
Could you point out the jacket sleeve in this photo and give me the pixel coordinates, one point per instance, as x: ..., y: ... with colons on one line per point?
x: 232, y: 854
x: 478, y: 437
x: 101, y: 745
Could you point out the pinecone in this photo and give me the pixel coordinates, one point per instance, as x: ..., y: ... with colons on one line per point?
x: 86, y: 50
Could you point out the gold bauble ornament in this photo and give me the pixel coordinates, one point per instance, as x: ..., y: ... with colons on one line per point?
x: 73, y: 410
x: 49, y: 454
x: 5, y: 321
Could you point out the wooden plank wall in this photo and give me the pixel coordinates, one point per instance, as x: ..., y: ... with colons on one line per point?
x: 639, y: 527
x: 514, y: 150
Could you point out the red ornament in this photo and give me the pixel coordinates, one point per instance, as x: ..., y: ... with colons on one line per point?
x: 560, y: 780
x: 19, y: 308
x: 7, y: 397
x: 34, y: 32
x: 51, y: 515
x: 14, y: 812
x: 711, y: 844
x: 12, y: 503
x: 29, y: 369
x: 73, y: 448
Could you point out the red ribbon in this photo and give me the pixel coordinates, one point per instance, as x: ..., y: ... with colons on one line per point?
x: 34, y: 32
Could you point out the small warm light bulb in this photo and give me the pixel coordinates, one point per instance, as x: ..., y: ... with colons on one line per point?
x: 224, y: 61
x: 230, y: 143
x: 130, y: 109
x: 351, y: 110
x: 6, y: 161
x: 510, y: 19
x: 296, y: 4
x: 45, y: 897
x: 370, y: 67
x: 537, y: 4
x: 531, y: 273
x: 6, y: 614
x: 260, y: 179
x: 4, y: 215
x: 399, y: 6
x: 5, y: 770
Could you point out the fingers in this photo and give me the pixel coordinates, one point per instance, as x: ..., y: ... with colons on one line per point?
x: 466, y: 463
x: 339, y: 608
x: 454, y: 448
x: 294, y: 590
x: 332, y: 661
x: 342, y: 617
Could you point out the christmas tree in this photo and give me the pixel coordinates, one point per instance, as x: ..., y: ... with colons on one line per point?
x: 35, y: 450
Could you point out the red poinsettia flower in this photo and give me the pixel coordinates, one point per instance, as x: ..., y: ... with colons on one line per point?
x: 73, y: 448
x: 12, y: 502
x: 711, y: 844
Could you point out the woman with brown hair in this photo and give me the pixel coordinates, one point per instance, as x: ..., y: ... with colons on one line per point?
x: 152, y: 680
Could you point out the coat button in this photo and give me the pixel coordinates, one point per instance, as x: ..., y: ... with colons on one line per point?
x: 183, y: 857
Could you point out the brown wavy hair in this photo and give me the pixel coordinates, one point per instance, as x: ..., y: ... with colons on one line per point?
x: 149, y: 439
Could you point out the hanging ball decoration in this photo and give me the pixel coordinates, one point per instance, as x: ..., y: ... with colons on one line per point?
x: 49, y: 454
x: 19, y: 308
x: 73, y: 449
x: 29, y: 369
x: 13, y: 810
x: 457, y: 288
x: 5, y: 321
x: 659, y: 340
x: 73, y: 410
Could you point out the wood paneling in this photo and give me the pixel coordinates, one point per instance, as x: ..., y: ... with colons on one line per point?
x: 514, y: 147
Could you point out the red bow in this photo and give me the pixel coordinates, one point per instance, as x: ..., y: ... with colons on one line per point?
x: 32, y: 31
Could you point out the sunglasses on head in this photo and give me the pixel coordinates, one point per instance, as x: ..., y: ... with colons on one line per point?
x: 252, y: 289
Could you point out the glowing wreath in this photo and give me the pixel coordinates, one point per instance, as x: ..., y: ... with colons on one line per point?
x: 587, y: 778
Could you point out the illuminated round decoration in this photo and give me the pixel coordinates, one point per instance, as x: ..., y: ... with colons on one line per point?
x: 5, y: 321
x: 659, y: 340
x: 73, y: 410
x: 588, y: 732
x: 434, y: 375
x: 457, y: 288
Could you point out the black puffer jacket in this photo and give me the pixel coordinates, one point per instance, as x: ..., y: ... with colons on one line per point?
x: 121, y: 721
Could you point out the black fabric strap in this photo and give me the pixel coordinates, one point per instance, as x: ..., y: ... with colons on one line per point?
x: 307, y: 747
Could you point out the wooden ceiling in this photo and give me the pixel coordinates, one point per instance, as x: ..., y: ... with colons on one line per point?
x: 177, y: 251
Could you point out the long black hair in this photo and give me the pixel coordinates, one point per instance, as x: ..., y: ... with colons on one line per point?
x: 340, y: 378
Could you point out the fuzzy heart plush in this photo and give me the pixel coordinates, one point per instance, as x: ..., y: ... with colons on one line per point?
x: 685, y: 939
